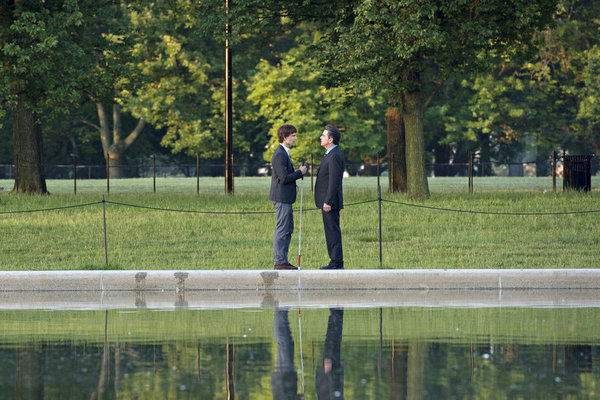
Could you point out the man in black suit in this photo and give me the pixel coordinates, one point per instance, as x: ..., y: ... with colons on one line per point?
x: 330, y: 377
x: 328, y: 195
x: 283, y: 194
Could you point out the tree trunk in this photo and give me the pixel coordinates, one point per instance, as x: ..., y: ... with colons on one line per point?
x: 28, y: 154
x: 396, y: 146
x: 116, y: 166
x: 112, y: 143
x: 412, y: 105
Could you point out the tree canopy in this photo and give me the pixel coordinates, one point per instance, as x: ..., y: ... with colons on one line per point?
x: 440, y: 78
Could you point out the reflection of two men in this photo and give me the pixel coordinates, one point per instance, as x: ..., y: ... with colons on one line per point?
x: 330, y: 376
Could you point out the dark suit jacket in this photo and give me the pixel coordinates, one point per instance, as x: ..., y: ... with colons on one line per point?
x: 283, y: 180
x: 328, y: 188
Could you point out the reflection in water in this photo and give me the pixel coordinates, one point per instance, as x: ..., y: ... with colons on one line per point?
x: 284, y: 380
x: 239, y: 354
x: 330, y: 377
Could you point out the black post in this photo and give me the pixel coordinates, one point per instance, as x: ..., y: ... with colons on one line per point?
x: 197, y: 173
x: 107, y: 173
x: 380, y: 247
x: 564, y: 156
x: 74, y: 174
x: 587, y: 170
x: 470, y: 172
x: 311, y: 173
x: 154, y: 172
x: 554, y: 171
x: 377, y: 169
x: 391, y: 173
x: 16, y: 172
x: 104, y: 217
x: 228, y: 109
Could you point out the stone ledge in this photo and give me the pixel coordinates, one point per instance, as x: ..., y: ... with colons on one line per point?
x: 190, y: 280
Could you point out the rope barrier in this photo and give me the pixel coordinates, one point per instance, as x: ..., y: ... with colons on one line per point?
x: 491, y: 212
x: 188, y: 211
x: 51, y: 209
x: 304, y: 209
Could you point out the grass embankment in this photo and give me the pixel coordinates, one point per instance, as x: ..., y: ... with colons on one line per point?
x: 412, y: 237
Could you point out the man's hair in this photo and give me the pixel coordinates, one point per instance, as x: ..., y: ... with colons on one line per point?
x: 285, y: 131
x: 333, y: 133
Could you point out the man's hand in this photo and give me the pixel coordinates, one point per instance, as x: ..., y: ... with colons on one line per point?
x: 326, y: 207
x: 303, y: 169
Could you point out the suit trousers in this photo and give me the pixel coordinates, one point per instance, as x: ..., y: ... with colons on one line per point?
x: 333, y: 237
x: 283, y: 232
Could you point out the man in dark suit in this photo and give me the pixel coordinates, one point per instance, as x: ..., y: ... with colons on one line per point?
x: 328, y: 195
x: 330, y: 377
x: 283, y: 194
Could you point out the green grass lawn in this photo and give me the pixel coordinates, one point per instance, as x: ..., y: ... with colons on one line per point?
x: 412, y: 237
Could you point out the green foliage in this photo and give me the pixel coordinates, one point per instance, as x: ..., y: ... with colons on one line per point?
x: 168, y: 82
x: 44, y: 53
x: 293, y: 92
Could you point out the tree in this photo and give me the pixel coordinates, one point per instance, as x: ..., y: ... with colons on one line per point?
x: 550, y: 98
x: 292, y: 91
x: 409, y: 48
x: 42, y: 62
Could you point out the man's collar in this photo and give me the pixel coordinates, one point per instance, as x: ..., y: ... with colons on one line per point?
x: 331, y: 148
x: 287, y: 149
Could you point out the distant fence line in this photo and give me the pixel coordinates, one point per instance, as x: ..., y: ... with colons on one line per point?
x: 169, y: 169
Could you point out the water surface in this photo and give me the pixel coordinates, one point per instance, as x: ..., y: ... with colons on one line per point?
x: 289, y: 353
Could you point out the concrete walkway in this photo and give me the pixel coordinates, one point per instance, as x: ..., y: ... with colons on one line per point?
x: 309, y: 288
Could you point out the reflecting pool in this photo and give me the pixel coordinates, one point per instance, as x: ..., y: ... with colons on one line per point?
x: 291, y: 353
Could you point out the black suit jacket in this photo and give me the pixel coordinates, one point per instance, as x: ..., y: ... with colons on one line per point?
x: 328, y: 188
x: 283, y: 180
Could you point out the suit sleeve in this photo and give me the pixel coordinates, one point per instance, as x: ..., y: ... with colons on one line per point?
x: 336, y: 173
x: 280, y: 170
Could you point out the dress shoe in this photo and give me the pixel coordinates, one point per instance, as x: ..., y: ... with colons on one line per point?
x: 332, y: 267
x: 284, y: 266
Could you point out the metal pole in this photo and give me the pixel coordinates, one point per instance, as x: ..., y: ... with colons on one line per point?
x: 380, y: 241
x: 75, y: 175
x: 311, y: 173
x: 377, y: 169
x: 107, y: 172
x: 300, y: 230
x: 105, y: 243
x: 470, y: 172
x: 197, y: 173
x: 228, y: 108
x: 154, y: 172
x: 554, y: 171
x: 17, y: 172
x: 564, y: 170
x: 391, y: 173
x: 587, y: 168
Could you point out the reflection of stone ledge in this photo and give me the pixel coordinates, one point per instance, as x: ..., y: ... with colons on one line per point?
x: 222, y: 299
x: 310, y: 288
x: 176, y: 280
